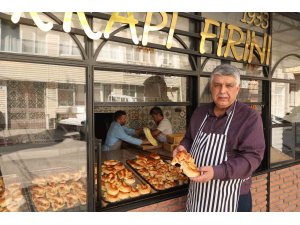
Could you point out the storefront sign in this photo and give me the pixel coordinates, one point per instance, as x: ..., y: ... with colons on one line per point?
x: 258, y: 19
x: 250, y: 42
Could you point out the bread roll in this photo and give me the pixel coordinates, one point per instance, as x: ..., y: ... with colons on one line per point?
x: 51, y: 191
x: 187, y: 164
x: 57, y: 203
x: 111, y: 189
x: 111, y: 162
x: 123, y: 195
x: 144, y: 188
x: 170, y: 184
x: 76, y: 186
x: 71, y: 200
x: 111, y: 178
x: 63, y: 189
x: 129, y: 180
x: 119, y: 166
x: 108, y: 170
x: 13, y: 207
x: 111, y: 198
x: 134, y: 192
x: 134, y: 165
x: 5, y: 201
x: 39, y: 181
x: 154, y: 155
x: 124, y: 187
x: 41, y: 204
x: 103, y: 188
x: 14, y: 186
x: 159, y: 186
x: 38, y: 191
x: 189, y: 169
x: 121, y: 174
x: 82, y: 197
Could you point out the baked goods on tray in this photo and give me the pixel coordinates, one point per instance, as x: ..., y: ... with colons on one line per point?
x: 160, y: 174
x: 119, y: 183
x: 187, y: 164
x: 12, y: 198
x: 57, y: 190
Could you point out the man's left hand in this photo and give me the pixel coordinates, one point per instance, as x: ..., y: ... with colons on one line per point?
x: 207, y: 174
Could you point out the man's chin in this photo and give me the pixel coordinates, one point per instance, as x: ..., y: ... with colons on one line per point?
x: 223, y: 105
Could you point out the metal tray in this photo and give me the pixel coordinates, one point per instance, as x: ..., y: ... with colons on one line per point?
x: 67, y: 181
x: 152, y: 186
x: 7, y: 181
x: 105, y: 203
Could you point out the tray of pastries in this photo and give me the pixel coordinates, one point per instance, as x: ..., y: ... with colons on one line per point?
x: 59, y: 189
x: 159, y: 173
x: 12, y: 195
x: 119, y: 183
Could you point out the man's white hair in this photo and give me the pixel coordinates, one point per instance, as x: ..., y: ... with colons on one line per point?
x: 226, y: 70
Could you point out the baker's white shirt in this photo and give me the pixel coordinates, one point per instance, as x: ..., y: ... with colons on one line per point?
x: 166, y: 128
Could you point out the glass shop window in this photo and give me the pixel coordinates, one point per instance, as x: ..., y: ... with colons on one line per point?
x: 10, y: 37
x: 285, y: 112
x: 133, y: 87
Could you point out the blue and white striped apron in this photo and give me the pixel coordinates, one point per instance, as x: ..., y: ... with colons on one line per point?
x: 215, y: 195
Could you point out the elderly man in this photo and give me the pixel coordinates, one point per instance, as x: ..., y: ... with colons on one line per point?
x: 226, y: 140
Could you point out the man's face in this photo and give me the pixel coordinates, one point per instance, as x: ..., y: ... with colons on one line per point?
x: 122, y: 120
x: 224, y: 91
x: 156, y: 118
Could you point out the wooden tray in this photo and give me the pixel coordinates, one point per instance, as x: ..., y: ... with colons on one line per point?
x: 151, y: 147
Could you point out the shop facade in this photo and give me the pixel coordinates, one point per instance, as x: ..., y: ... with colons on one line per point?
x: 59, y: 89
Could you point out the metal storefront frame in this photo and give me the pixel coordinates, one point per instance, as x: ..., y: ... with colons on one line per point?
x: 89, y: 62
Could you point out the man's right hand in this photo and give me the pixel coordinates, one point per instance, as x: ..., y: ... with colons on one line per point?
x: 179, y: 148
x: 146, y: 142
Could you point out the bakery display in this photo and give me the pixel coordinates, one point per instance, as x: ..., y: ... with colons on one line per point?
x: 119, y: 183
x: 187, y: 164
x: 12, y: 198
x: 158, y: 173
x: 57, y: 190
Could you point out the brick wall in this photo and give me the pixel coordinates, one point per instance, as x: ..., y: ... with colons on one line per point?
x: 285, y: 190
x: 172, y: 205
x: 259, y: 193
x: 284, y: 194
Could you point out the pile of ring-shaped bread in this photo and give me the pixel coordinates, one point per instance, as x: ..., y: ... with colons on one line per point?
x: 118, y: 183
x: 187, y: 164
x: 11, y: 196
x: 58, y: 191
x: 158, y: 173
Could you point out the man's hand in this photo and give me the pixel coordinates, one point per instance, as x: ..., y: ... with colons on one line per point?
x: 145, y: 142
x: 207, y: 174
x: 138, y: 131
x: 178, y: 149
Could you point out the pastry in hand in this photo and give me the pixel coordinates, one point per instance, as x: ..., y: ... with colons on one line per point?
x: 187, y: 164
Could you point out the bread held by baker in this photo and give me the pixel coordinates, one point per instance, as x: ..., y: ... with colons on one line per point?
x: 187, y: 164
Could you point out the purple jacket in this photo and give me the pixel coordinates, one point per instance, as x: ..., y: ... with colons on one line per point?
x: 245, y: 141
